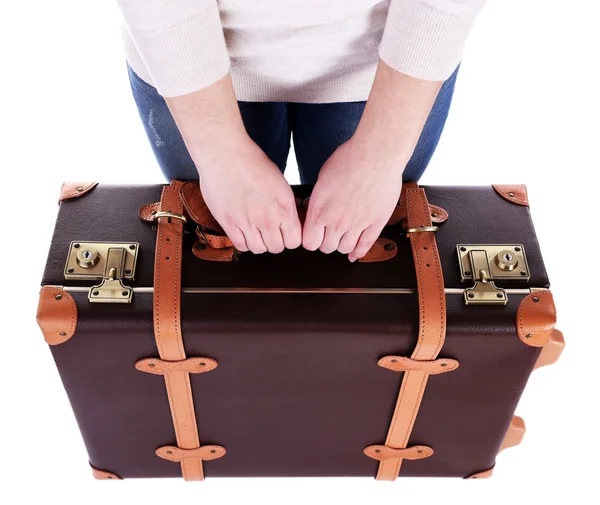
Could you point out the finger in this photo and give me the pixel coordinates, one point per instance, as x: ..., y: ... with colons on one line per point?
x: 291, y: 231
x: 237, y: 238
x: 348, y: 241
x: 312, y: 235
x: 254, y: 240
x: 331, y: 241
x: 365, y: 242
x: 272, y: 239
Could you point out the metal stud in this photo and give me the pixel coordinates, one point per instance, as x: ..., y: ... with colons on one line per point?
x: 444, y: 364
x: 202, y: 364
x: 127, y: 271
x: 394, y: 361
x: 212, y: 451
x: 523, y: 272
x: 76, y: 246
x: 536, y: 299
x: 132, y: 246
x: 169, y: 452
x: 511, y: 194
x: 124, y: 293
x: 517, y: 249
x: 151, y: 365
x: 95, y: 293
x: 63, y: 334
x: 471, y: 295
x: 79, y: 190
x: 467, y: 272
x: 389, y: 247
x: 529, y: 335
x: 377, y: 451
x: 58, y: 297
x: 434, y: 214
x: 463, y: 249
x: 70, y: 270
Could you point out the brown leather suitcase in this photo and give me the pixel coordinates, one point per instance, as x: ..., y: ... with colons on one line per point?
x: 182, y: 357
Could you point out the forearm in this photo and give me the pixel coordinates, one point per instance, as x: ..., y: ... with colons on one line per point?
x: 395, y: 114
x: 209, y: 121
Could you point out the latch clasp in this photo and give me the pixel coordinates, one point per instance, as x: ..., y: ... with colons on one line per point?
x: 508, y: 262
x: 109, y: 262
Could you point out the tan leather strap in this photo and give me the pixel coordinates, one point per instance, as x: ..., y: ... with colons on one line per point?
x: 167, y: 328
x: 432, y: 326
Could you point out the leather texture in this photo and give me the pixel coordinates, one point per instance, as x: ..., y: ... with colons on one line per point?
x: 56, y: 315
x: 432, y: 326
x: 167, y: 327
x: 72, y: 189
x: 404, y: 364
x: 189, y: 365
x: 203, y: 252
x: 497, y: 221
x: 178, y: 455
x: 514, y: 434
x: 436, y: 213
x: 383, y: 249
x: 514, y: 193
x: 297, y: 372
x: 552, y: 351
x: 536, y: 318
x: 382, y: 453
x: 104, y: 475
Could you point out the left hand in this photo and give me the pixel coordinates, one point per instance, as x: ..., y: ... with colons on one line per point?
x: 355, y: 195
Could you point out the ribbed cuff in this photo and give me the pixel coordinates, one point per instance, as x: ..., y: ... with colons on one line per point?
x: 423, y: 42
x: 186, y: 57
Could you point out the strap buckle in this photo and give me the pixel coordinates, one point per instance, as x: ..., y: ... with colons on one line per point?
x: 420, y: 229
x: 170, y: 215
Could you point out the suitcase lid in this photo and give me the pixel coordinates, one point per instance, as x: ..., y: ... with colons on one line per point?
x: 477, y: 215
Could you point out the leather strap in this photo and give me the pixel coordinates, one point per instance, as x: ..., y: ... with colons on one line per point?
x: 167, y: 328
x: 432, y: 326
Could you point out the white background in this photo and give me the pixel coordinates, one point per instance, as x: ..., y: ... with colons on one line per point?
x: 526, y: 110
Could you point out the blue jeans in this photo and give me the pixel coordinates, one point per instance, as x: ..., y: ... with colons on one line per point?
x: 317, y: 129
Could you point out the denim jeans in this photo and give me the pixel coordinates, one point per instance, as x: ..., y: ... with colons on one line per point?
x: 317, y: 131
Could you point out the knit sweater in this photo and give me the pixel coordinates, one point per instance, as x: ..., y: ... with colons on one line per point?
x: 310, y: 51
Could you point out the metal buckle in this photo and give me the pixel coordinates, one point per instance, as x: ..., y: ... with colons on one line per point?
x: 170, y: 215
x: 420, y: 229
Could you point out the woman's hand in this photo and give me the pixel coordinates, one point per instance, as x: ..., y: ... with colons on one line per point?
x: 353, y: 200
x: 249, y: 197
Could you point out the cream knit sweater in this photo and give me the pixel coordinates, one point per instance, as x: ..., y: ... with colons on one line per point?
x: 312, y: 51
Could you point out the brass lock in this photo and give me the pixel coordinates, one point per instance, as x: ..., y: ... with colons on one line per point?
x: 508, y: 262
x: 109, y: 262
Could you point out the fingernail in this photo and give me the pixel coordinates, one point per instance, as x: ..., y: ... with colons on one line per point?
x: 352, y: 260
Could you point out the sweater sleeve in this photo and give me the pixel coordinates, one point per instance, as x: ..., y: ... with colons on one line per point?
x: 425, y: 38
x: 180, y: 41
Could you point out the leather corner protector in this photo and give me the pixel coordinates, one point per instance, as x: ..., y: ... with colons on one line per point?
x: 552, y: 350
x: 147, y: 212
x: 383, y: 249
x: 514, y: 193
x: 103, y: 474
x: 203, y: 252
x: 514, y: 434
x: 485, y: 474
x: 56, y: 315
x: 536, y: 318
x: 383, y: 452
x: 71, y: 189
x: 404, y: 364
x: 158, y: 366
x: 204, y: 453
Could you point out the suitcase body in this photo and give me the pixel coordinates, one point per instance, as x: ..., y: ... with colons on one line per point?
x: 297, y: 338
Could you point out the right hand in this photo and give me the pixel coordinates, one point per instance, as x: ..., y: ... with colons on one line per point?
x: 249, y: 197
